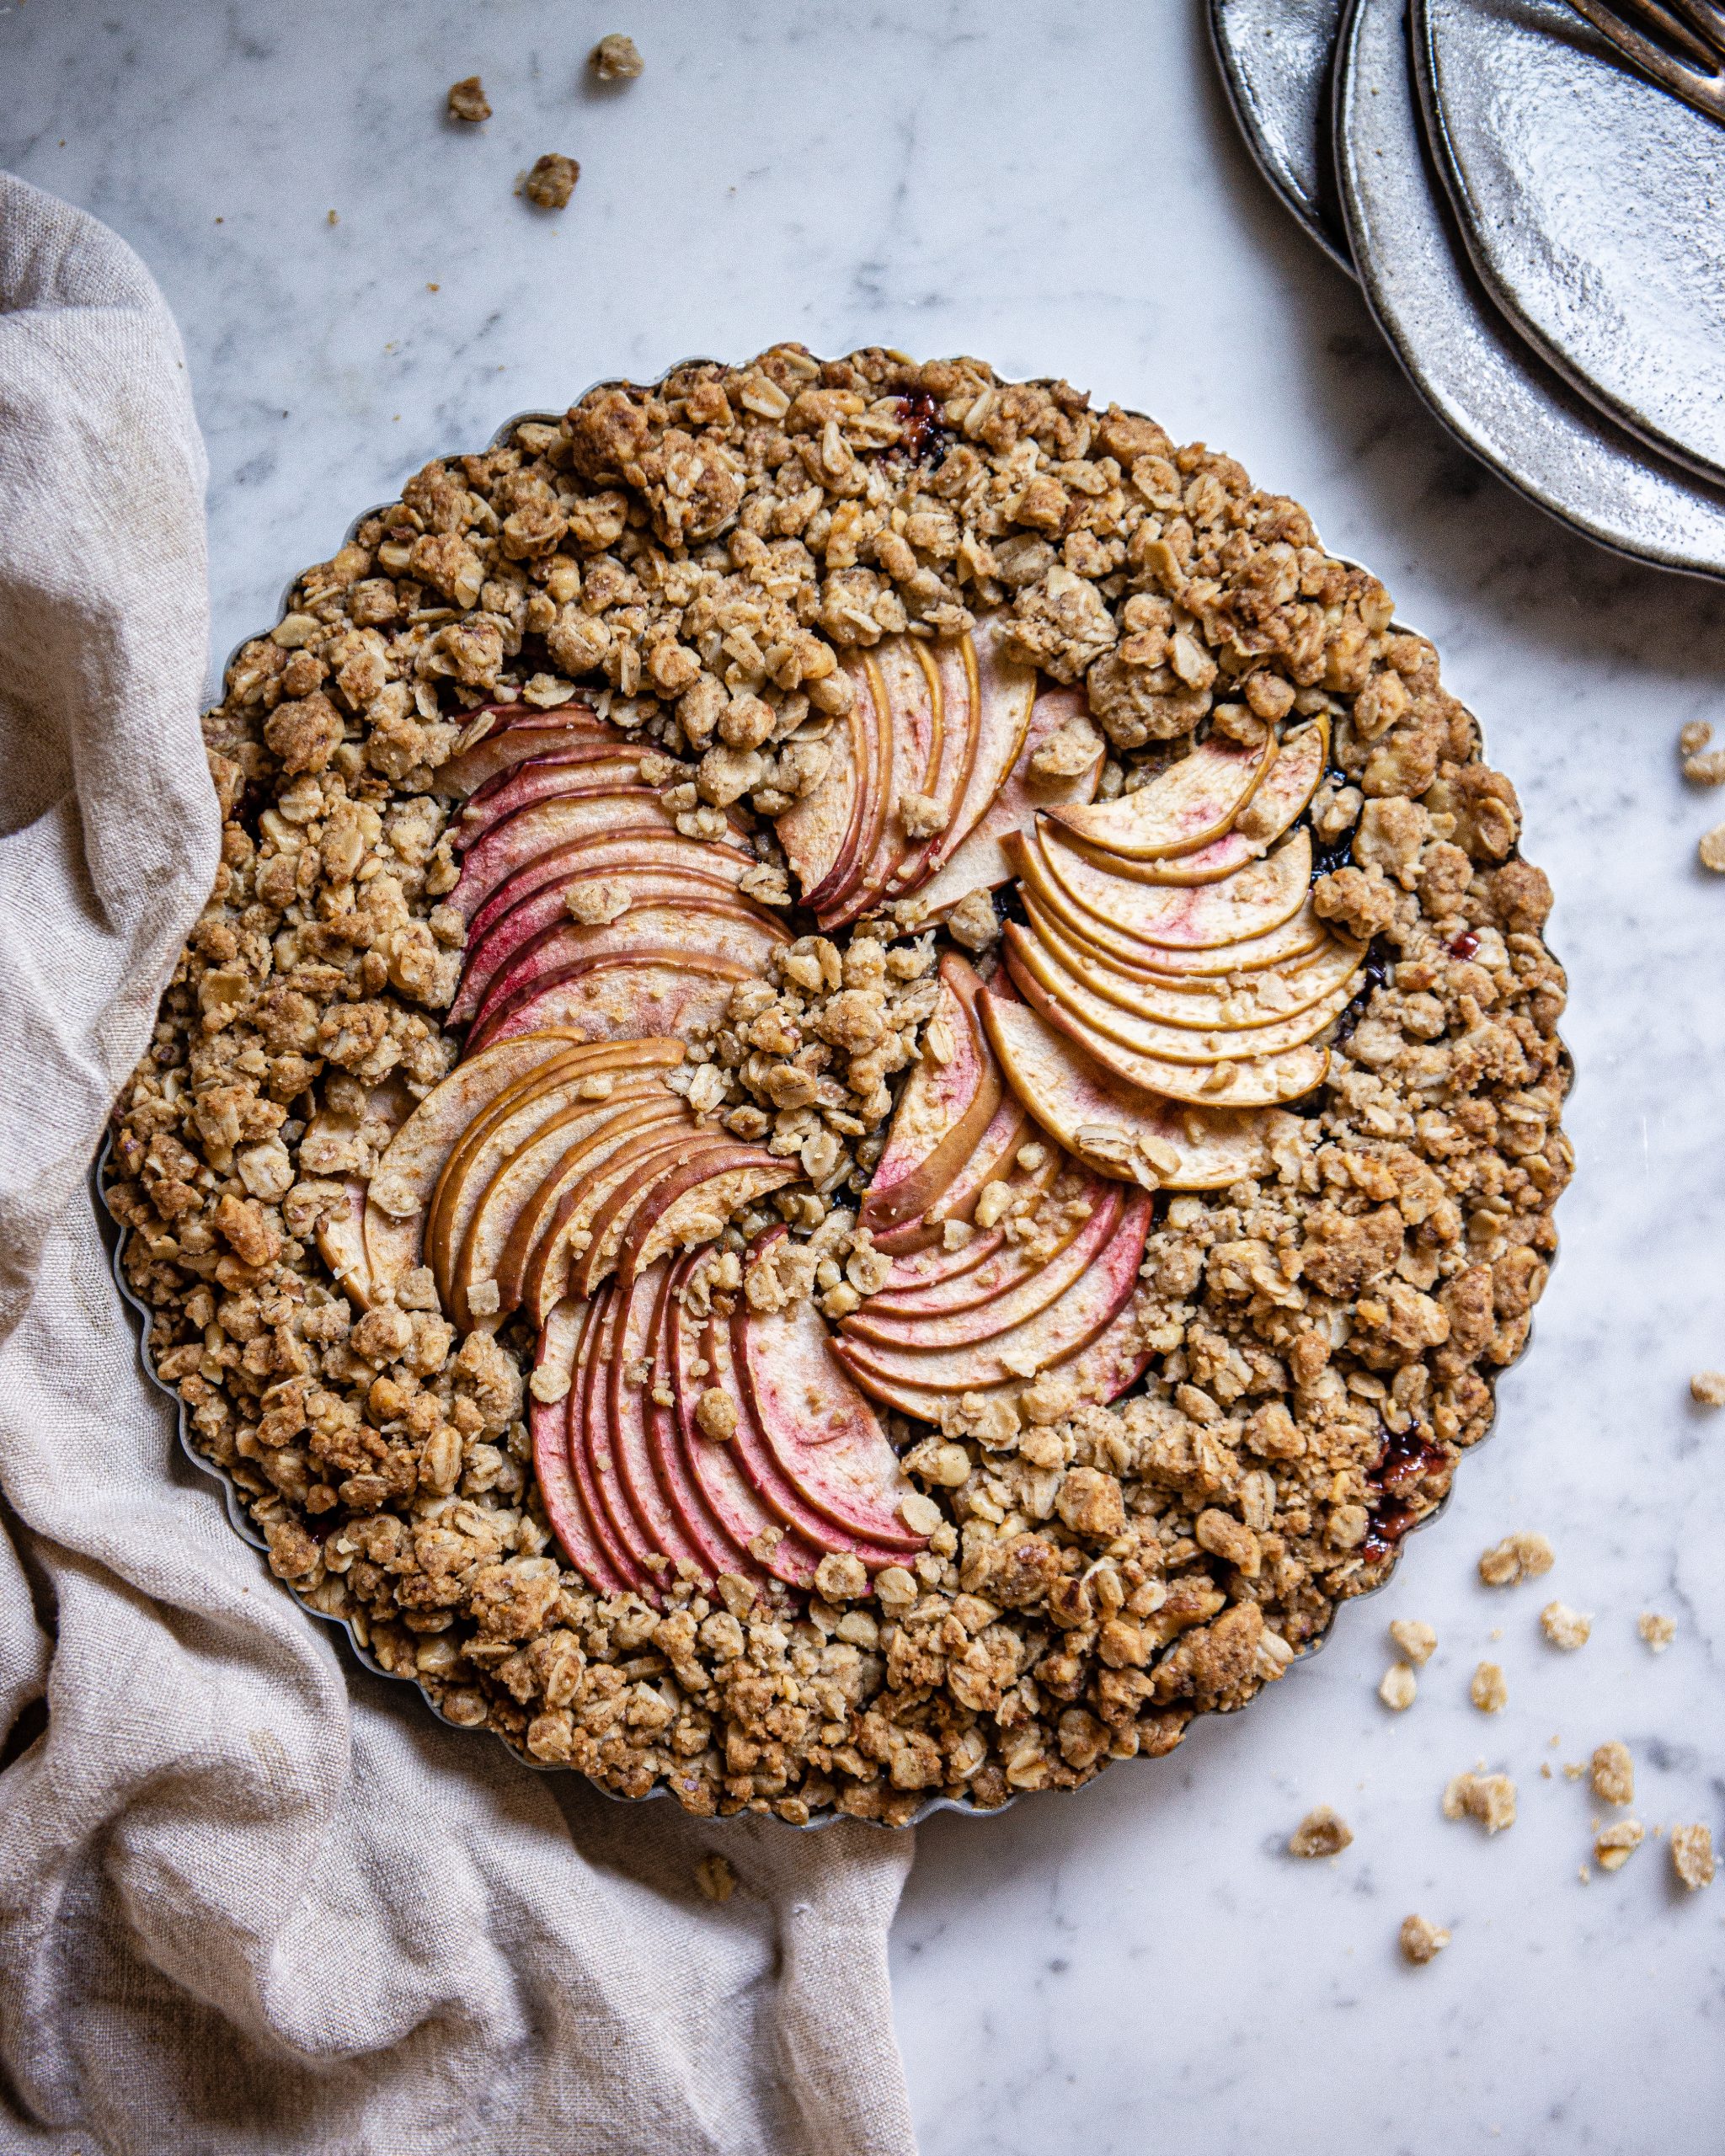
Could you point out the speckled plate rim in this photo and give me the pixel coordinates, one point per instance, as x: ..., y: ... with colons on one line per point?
x: 114, y: 1237
x: 1243, y: 94
x: 1544, y: 386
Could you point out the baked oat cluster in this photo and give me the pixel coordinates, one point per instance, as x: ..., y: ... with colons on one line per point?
x: 869, y: 1091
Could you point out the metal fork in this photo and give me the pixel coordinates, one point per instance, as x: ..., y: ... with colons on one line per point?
x: 1694, y: 71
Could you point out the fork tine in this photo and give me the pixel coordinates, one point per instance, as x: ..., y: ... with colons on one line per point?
x: 1708, y: 19
x: 1704, y: 90
x: 1658, y: 17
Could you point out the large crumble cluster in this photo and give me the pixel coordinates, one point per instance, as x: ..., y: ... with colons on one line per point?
x: 693, y: 557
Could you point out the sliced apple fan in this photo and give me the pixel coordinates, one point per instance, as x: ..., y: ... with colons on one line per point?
x: 1167, y: 992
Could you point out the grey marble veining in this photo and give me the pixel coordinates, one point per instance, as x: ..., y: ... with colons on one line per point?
x: 1137, y: 1968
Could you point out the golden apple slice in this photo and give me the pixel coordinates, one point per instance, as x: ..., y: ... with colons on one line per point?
x: 980, y: 863
x: 1264, y: 996
x: 1005, y: 692
x: 1096, y: 1015
x: 943, y: 1111
x: 678, y: 1219
x: 952, y: 687
x: 1169, y: 1144
x: 1182, y: 808
x: 821, y: 832
x: 624, y: 995
x: 681, y: 1157
x: 1272, y: 810
x: 520, y: 1277
x: 908, y: 740
x: 1264, y: 1081
x: 399, y: 1196
x: 511, y: 845
x: 340, y: 1235
x: 1189, y: 916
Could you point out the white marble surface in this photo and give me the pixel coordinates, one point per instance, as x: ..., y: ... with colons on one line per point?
x: 1139, y: 1968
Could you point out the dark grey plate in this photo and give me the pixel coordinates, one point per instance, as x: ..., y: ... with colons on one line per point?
x: 1591, y: 202
x: 1480, y: 380
x: 1275, y: 57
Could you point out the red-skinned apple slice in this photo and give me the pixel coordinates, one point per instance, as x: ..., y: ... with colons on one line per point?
x: 544, y: 779
x: 1068, y: 1093
x: 1297, y: 937
x: 1186, y: 917
x: 717, y: 1471
x: 1115, y: 1360
x: 917, y: 1383
x: 746, y: 935
x: 624, y: 994
x: 917, y: 1283
x: 582, y: 747
x: 1182, y: 808
x: 341, y: 1235
x: 992, y: 1157
x: 1276, y: 804
x: 1264, y: 1081
x: 537, y: 1235
x: 1265, y: 997
x: 1005, y: 693
x: 548, y: 908
x: 1005, y: 1293
x: 639, y: 1340
x: 609, y: 1222
x: 512, y: 740
x: 830, y: 904
x: 552, y: 1270
x: 406, y: 1175
x: 1109, y: 1021
x: 927, y: 1262
x: 824, y: 1437
x: 694, y: 1204
x: 952, y: 691
x: 815, y: 831
x: 559, y: 1345
x: 590, y: 1446
x: 717, y: 1553
x: 637, y: 844
x: 941, y: 1114
x: 910, y: 738
x: 980, y: 863
x: 521, y: 838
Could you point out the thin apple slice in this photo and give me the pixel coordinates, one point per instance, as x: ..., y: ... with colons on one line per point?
x: 1174, y: 1044
x: 1007, y: 1292
x: 952, y: 689
x: 548, y: 907
x: 1186, y: 917
x: 610, y: 1219
x: 905, y: 688
x: 536, y: 1238
x: 530, y: 832
x: 992, y: 1158
x: 879, y: 773
x: 1003, y: 1258
x: 1075, y: 1100
x: 340, y: 1235
x: 980, y: 863
x: 1202, y: 1003
x: 636, y: 845
x: 406, y: 1175
x: 1114, y: 1360
x: 943, y: 1111
x: 716, y: 1468
x: 824, y: 1437
x: 927, y: 1262
x: 695, y: 1205
x: 590, y: 1449
x: 569, y: 1234
x: 1264, y: 1081
x: 918, y: 1382
x: 1272, y: 810
x: 1300, y: 934
x: 624, y: 994
x: 565, y: 749
x: 815, y: 831
x: 559, y: 1346
x: 635, y: 1346
x: 716, y: 1552
x: 1182, y: 808
x: 484, y: 1247
x: 541, y: 780
x: 512, y: 740
x: 1005, y: 691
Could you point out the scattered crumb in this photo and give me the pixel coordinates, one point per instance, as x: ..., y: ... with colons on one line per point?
x: 1415, y: 1637
x: 1488, y: 1691
x: 715, y: 1878
x: 1565, y: 1627
x: 1573, y: 1769
x: 1693, y: 738
x: 1496, y: 1632
x: 1708, y: 1387
x: 1712, y: 849
x: 1613, y: 1845
x: 467, y: 100
x: 1544, y: 1770
x: 1422, y: 1940
x: 1399, y: 1686
x: 616, y: 59
x: 1658, y: 1631
x: 1614, y: 1774
x: 334, y: 218
x: 1583, y: 1875
x: 1489, y: 1798
x: 434, y: 288
x: 552, y: 181
x: 1320, y: 1833
x: 1517, y: 1557
x: 1692, y: 1856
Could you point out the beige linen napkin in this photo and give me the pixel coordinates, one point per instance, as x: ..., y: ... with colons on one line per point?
x: 252, y: 1899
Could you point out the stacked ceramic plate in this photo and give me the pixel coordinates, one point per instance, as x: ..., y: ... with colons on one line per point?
x: 1535, y: 226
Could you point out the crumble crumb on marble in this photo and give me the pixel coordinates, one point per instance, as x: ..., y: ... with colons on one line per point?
x: 1692, y: 1856
x: 550, y: 184
x: 1565, y: 1627
x: 1416, y: 1639
x: 1657, y: 1630
x: 1613, y: 1774
x: 1422, y: 1940
x: 1488, y: 1690
x: 692, y: 559
x: 1322, y: 1833
x: 1399, y: 1687
x: 1711, y: 849
x: 616, y: 59
x: 1706, y: 1388
x: 467, y: 100
x: 1489, y: 1798
x: 1613, y: 1845
x: 1518, y: 1557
